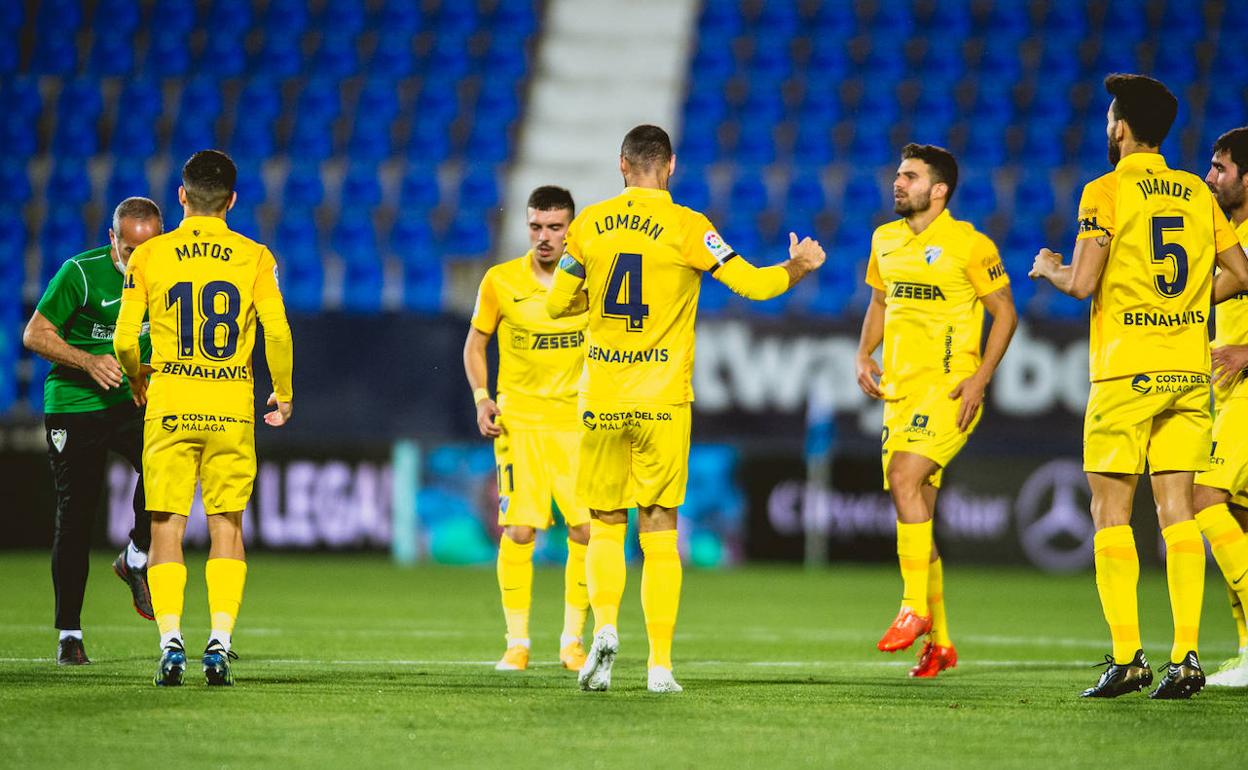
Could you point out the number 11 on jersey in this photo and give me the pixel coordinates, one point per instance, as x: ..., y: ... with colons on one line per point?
x: 622, y: 298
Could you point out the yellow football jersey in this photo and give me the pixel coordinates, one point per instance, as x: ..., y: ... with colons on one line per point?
x: 1231, y: 324
x: 539, y: 358
x: 932, y: 282
x: 200, y: 284
x: 1151, y: 308
x: 641, y: 257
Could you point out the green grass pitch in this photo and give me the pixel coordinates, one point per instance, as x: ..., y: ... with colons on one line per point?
x: 350, y: 661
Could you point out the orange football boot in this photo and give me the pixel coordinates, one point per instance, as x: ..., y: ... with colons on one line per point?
x: 934, y: 659
x: 906, y: 627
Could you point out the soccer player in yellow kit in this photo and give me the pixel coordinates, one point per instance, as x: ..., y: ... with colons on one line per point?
x: 1147, y: 243
x: 635, y: 262
x: 1220, y: 495
x: 203, y: 287
x: 534, y: 424
x: 931, y: 278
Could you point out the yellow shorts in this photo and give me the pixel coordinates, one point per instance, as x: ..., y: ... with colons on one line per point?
x: 925, y: 422
x: 537, y: 466
x: 1228, y: 460
x: 1160, y: 417
x: 218, y: 451
x: 633, y: 455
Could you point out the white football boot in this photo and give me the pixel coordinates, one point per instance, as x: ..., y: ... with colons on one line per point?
x: 595, y: 675
x: 661, y: 680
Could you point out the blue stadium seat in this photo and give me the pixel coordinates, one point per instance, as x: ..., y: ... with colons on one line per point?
x: 488, y: 143
x: 975, y: 199
x: 468, y: 236
x: 69, y: 182
x: 478, y: 190
x: 280, y: 56
x: 63, y: 236
x: 304, y: 188
x: 345, y: 18
x: 169, y: 53
x: 14, y: 183
x: 249, y: 185
x: 1033, y: 196
x: 301, y: 271
x: 76, y: 136
x: 290, y: 15
x: 200, y: 101
x: 412, y: 240
x: 56, y: 52
x: 20, y: 98
x: 713, y: 65
x: 419, y: 192
x: 112, y: 54
x: 986, y: 143
x: 756, y: 145
x: 141, y: 99
x: 393, y: 56
x: 133, y: 137
x: 370, y: 137
x: 82, y: 97
x: 242, y: 220
x: 379, y: 97
x: 806, y: 193
x: 355, y: 242
x: 335, y: 58
x: 813, y: 144
x: 689, y: 187
x: 429, y: 142
x: 129, y: 178
x: 360, y: 186
x: 12, y: 264
x: 223, y: 55
x: 227, y: 18
x: 191, y: 136
x: 400, y: 16
x: 749, y: 193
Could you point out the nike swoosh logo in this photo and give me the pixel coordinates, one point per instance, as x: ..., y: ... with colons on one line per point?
x: 911, y: 440
x: 106, y: 304
x: 1235, y: 582
x: 522, y: 299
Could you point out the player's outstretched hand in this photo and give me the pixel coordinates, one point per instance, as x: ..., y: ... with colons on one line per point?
x: 971, y: 391
x: 1045, y: 262
x: 807, y: 253
x: 138, y: 385
x: 869, y: 376
x: 279, y: 416
x: 104, y: 370
x: 1229, y: 362
x: 487, y: 411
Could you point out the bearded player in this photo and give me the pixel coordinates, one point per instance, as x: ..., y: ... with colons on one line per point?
x: 931, y: 277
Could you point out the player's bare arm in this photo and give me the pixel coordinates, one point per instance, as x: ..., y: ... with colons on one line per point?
x: 1232, y: 278
x: 1229, y: 362
x: 1000, y: 305
x: 477, y: 371
x: 1080, y: 278
x: 42, y: 338
x: 805, y: 257
x: 868, y: 342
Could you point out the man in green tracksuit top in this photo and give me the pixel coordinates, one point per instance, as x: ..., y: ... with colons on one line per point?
x: 88, y: 411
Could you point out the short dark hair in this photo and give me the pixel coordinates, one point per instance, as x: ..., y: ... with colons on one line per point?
x: 1235, y: 144
x: 209, y: 177
x: 551, y: 198
x: 942, y: 163
x: 1146, y: 104
x: 136, y: 207
x: 646, y: 146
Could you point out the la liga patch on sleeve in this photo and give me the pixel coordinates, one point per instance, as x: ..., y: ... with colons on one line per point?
x: 714, y: 244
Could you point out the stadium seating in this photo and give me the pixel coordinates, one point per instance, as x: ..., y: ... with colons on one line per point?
x: 784, y: 90
x: 373, y: 138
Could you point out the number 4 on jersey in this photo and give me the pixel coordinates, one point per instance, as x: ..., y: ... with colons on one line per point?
x: 623, y: 296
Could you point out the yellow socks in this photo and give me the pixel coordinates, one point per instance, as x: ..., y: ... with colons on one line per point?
x: 914, y: 553
x: 167, y: 583
x: 575, y: 593
x: 225, y: 579
x: 604, y: 571
x: 1185, y: 574
x: 515, y: 582
x: 1117, y: 575
x: 1228, y: 543
x: 1237, y: 612
x: 660, y: 593
x: 936, y: 604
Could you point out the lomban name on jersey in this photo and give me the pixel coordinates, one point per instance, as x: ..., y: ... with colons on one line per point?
x: 205, y: 249
x: 629, y: 222
x: 238, y: 372
x: 560, y: 340
x: 626, y: 356
x: 910, y: 290
x: 1145, y: 318
x: 1154, y: 186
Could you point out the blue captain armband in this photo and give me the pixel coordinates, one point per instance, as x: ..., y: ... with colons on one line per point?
x: 570, y: 266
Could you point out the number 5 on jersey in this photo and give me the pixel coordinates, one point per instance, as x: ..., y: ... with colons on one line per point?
x: 623, y: 296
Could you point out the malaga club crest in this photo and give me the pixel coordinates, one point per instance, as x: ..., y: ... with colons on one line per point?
x: 932, y: 253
